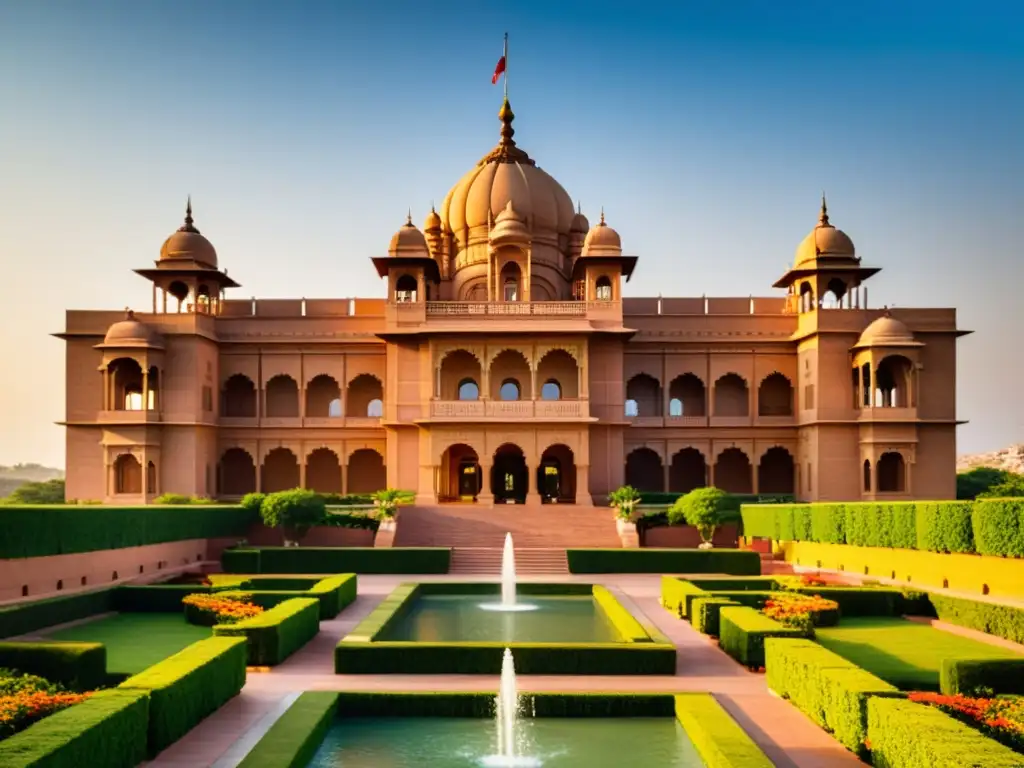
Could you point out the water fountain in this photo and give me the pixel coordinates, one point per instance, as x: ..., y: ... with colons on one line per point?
x: 508, y: 603
x: 506, y: 716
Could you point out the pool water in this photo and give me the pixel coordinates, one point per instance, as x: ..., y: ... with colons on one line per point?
x: 443, y: 742
x: 455, y: 618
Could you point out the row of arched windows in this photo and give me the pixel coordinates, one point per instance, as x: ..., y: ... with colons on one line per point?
x: 364, y: 397
x: 510, y: 389
x: 688, y: 397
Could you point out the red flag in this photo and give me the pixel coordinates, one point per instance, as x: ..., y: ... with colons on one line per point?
x: 499, y: 69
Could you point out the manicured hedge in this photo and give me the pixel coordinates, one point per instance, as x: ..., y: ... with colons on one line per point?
x: 23, y: 618
x: 81, y: 666
x: 1001, y: 676
x: 188, y: 686
x: 38, y: 531
x: 621, y: 619
x: 292, y: 741
x: 333, y: 593
x: 904, y: 734
x: 157, y: 598
x: 731, y: 561
x: 337, y: 560
x: 677, y: 594
x: 719, y: 739
x: 742, y: 632
x: 460, y: 704
x: 854, y: 601
x: 826, y: 687
x: 276, y: 634
x: 108, y: 729
x: 1004, y: 621
x: 706, y: 614
x: 985, y: 526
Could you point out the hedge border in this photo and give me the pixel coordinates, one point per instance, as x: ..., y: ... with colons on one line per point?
x: 648, y: 560
x: 81, y: 666
x: 742, y: 633
x: 361, y: 652
x: 25, y: 618
x: 292, y: 741
x: 274, y: 635
x: 1002, y: 676
x: 333, y: 593
x: 332, y: 560
x: 720, y: 740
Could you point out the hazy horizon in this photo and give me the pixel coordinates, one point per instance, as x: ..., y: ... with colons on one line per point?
x: 304, y: 132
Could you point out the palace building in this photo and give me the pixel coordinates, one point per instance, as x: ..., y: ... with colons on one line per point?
x: 505, y: 364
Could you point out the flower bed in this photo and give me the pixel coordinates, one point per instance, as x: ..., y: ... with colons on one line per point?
x: 208, y: 610
x: 1000, y: 717
x: 24, y: 699
x: 803, y: 612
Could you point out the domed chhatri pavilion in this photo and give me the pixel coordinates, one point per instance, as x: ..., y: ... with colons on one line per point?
x: 505, y: 365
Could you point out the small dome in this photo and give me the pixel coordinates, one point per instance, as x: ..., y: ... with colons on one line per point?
x: 579, y: 222
x: 886, y: 331
x: 408, y: 241
x: 602, y: 240
x: 187, y: 244
x: 510, y: 226
x: 433, y: 222
x: 824, y: 240
x: 131, y: 333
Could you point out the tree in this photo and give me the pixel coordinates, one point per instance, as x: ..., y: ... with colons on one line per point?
x: 624, y: 500
x: 48, y: 492
x: 1011, y: 488
x: 294, y: 511
x: 702, y: 508
x: 979, y: 480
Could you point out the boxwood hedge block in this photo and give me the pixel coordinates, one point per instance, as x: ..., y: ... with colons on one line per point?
x: 333, y: 593
x: 157, y: 598
x: 292, y: 741
x: 1004, y: 621
x: 1001, y: 676
x: 677, y: 593
x: 742, y: 632
x: 336, y: 560
x: 81, y: 666
x: 826, y: 687
x: 22, y: 618
x: 854, y: 601
x: 904, y: 734
x: 647, y: 560
x: 706, y: 610
x: 276, y: 634
x: 621, y: 619
x: 108, y: 729
x: 188, y: 686
x: 719, y: 739
x: 998, y: 527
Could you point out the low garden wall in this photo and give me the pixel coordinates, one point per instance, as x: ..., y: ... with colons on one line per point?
x: 686, y: 537
x: 649, y: 560
x: 259, y: 535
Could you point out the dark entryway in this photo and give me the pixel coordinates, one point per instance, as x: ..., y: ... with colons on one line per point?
x: 509, y: 477
x: 469, y: 479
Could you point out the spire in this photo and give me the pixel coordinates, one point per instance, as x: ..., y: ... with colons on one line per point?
x: 602, y: 217
x: 823, y: 216
x: 507, y: 151
x: 188, y: 226
x: 579, y: 208
x: 408, y: 218
x: 506, y: 115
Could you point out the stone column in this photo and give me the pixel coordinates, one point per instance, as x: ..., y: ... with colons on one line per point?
x: 583, y: 496
x: 666, y: 469
x: 532, y: 491
x: 426, y: 492
x: 486, y: 495
x: 302, y: 469
x: 145, y: 471
x: 106, y: 390
x: 145, y: 389
x: 344, y: 478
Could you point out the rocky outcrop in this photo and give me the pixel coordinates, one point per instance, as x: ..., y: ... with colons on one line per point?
x: 1010, y: 459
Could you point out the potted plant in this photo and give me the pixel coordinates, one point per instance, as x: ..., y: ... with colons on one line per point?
x: 294, y: 512
x: 385, y: 504
x: 702, y: 508
x: 624, y: 500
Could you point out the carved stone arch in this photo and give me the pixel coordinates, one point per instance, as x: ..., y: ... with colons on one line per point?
x: 354, y: 446
x: 701, y: 448
x: 762, y: 448
x: 657, y: 446
x: 570, y: 441
x: 249, y: 446
x: 773, y: 372
x: 572, y: 350
x: 525, y: 350
x: 745, y: 446
x: 446, y: 443
x: 266, y: 446
x: 350, y: 376
x: 444, y: 351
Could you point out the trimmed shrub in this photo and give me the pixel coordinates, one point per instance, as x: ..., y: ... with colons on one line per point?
x: 966, y: 676
x: 294, y: 511
x: 719, y: 739
x: 1004, y: 621
x: 703, y: 508
x: 80, y: 666
x: 621, y: 619
x: 826, y: 687
x: 276, y: 634
x: 335, y: 593
x: 731, y: 561
x: 998, y: 527
x: 944, y: 526
x: 755, y: 584
x: 157, y: 598
x: 295, y: 737
x: 108, y: 729
x: 904, y: 734
x: 189, y: 686
x: 240, y: 560
x: 332, y: 560
x: 674, y: 594
x: 706, y: 610
x: 742, y: 632
x: 856, y: 601
x: 22, y: 618
x: 252, y: 502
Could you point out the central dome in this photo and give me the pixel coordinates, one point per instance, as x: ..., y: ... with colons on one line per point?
x: 507, y: 175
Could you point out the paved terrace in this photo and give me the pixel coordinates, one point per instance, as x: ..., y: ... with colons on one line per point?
x: 788, y: 738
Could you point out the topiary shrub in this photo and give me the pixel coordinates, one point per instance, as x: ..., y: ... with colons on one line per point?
x: 253, y: 501
x: 294, y: 511
x: 702, y: 508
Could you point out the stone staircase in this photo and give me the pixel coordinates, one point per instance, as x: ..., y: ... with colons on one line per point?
x: 529, y: 562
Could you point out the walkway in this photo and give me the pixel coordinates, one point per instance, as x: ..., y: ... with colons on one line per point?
x: 788, y: 738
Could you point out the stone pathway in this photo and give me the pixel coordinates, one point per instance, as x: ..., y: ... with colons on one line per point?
x: 788, y: 738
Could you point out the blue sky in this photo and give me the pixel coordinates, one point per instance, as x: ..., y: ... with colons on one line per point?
x: 304, y: 131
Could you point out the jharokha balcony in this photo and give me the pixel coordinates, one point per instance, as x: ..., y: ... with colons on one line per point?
x: 459, y: 410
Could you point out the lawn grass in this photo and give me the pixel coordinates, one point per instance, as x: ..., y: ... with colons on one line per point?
x: 904, y: 653
x: 136, y: 641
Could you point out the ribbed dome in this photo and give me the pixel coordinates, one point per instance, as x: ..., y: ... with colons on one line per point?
x: 507, y: 174
x: 131, y: 333
x: 824, y: 240
x: 433, y: 222
x: 408, y: 241
x: 579, y: 223
x: 602, y: 240
x: 509, y: 227
x: 187, y: 244
x: 886, y: 331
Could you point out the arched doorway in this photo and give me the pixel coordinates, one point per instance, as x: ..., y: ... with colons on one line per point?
x: 556, y: 475
x: 127, y: 474
x: 644, y: 471
x: 366, y: 471
x: 237, y: 473
x: 733, y: 473
x: 323, y: 471
x: 891, y: 473
x: 280, y: 471
x: 460, y: 474
x: 688, y: 471
x: 776, y: 472
x: 509, y: 478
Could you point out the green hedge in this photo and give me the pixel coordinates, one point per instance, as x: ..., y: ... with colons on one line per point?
x: 38, y: 531
x: 188, y: 686
x: 276, y: 634
x: 333, y: 593
x: 23, y: 618
x: 621, y: 619
x: 904, y: 734
x: 157, y: 598
x: 1004, y: 621
x: 1001, y: 676
x: 706, y: 614
x: 742, y: 632
x: 985, y: 526
x: 81, y: 666
x: 731, y: 561
x: 292, y: 741
x: 756, y: 584
x: 855, y: 601
x: 108, y: 729
x: 677, y: 594
x: 719, y: 739
x: 337, y: 560
x: 830, y: 690
x: 460, y: 704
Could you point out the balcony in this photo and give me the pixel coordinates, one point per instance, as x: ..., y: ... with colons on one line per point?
x: 507, y: 410
x: 293, y: 422
x: 506, y: 308
x: 130, y: 417
x: 686, y: 421
x: 887, y: 414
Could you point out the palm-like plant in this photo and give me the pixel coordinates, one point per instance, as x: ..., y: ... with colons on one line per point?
x: 385, y: 503
x: 624, y: 500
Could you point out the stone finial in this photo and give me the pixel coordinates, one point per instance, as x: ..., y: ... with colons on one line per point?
x: 823, y: 216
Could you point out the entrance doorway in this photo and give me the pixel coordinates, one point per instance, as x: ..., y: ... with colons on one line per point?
x: 469, y: 479
x: 509, y: 477
x: 556, y: 475
x: 460, y: 478
x: 550, y: 480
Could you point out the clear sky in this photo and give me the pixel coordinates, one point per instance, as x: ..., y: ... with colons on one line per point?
x: 707, y: 130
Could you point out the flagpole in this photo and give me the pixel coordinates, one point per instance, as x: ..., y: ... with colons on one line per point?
x: 506, y: 66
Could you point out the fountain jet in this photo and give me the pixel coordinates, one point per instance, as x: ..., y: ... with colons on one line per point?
x: 507, y: 714
x: 508, y: 574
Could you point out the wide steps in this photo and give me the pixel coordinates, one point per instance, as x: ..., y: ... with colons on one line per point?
x: 486, y: 561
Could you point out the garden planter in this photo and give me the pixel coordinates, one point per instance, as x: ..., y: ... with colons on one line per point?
x: 627, y: 533
x: 386, y: 532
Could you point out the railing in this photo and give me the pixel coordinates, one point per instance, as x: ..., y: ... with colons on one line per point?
x: 516, y: 308
x: 509, y: 409
x: 130, y: 417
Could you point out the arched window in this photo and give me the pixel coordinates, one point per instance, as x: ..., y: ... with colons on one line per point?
x: 405, y: 289
x: 375, y: 408
x: 603, y: 289
x: 509, y: 390
x: 632, y: 408
x: 551, y: 390
x: 510, y: 279
x: 468, y: 390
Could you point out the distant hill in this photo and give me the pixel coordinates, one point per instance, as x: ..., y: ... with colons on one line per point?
x: 19, y: 474
x: 1009, y: 459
